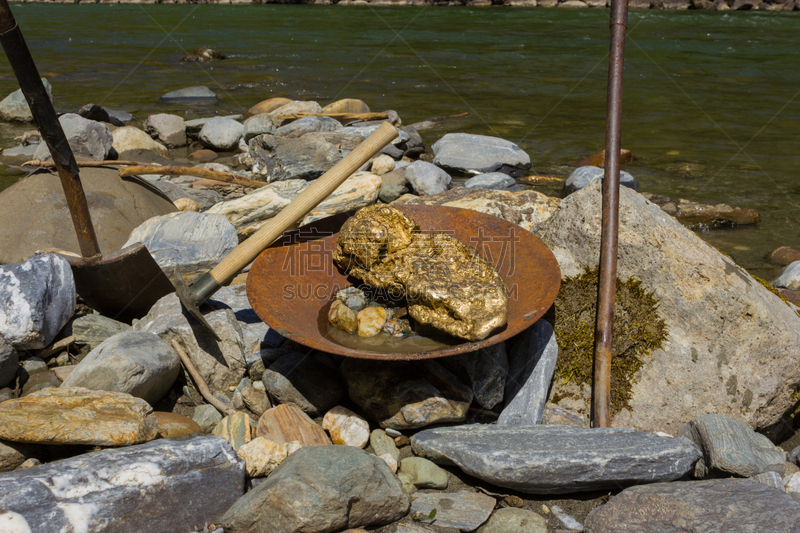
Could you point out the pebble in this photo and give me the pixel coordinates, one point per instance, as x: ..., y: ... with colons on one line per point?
x: 510, y: 520
x: 371, y: 321
x: 235, y: 429
x: 382, y: 164
x: 393, y: 432
x: 427, y: 179
x: 207, y: 417
x: 460, y: 510
x: 261, y: 456
x: 419, y: 473
x: 171, y: 425
x: 221, y: 134
x: 390, y: 461
x: 346, y: 427
x: 186, y: 204
x: 398, y: 327
x: 353, y: 297
x: 342, y: 317
x: 382, y: 444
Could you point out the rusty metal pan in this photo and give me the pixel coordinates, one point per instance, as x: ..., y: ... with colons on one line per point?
x: 292, y: 284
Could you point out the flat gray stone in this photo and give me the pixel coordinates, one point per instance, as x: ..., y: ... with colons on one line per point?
x: 309, y: 381
x: 304, y: 125
x: 731, y: 448
x: 511, y: 520
x: 542, y: 459
x: 531, y: 366
x: 183, y: 484
x: 37, y: 298
x: 789, y: 278
x: 134, y: 362
x: 467, y: 153
x: 339, y: 487
x: 91, y: 330
x: 484, y: 370
x: 366, y: 131
x: 193, y: 242
x: 169, y: 130
x: 461, y: 510
x: 740, y: 505
x: 190, y: 95
x: 221, y: 134
x: 427, y: 179
x: 490, y: 180
x: 14, y: 107
x: 583, y: 176
x: 9, y: 364
x: 87, y: 138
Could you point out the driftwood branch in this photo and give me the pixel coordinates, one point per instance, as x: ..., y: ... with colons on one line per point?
x: 56, y: 347
x: 108, y: 163
x: 540, y: 180
x: 215, y: 175
x: 341, y: 117
x: 200, y: 382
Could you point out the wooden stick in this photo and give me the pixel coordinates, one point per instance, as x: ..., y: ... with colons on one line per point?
x: 341, y: 117
x: 539, y: 180
x: 107, y: 163
x: 55, y: 347
x: 215, y: 175
x: 201, y: 384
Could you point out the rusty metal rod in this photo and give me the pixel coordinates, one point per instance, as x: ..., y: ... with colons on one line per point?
x: 608, y: 241
x: 46, y: 120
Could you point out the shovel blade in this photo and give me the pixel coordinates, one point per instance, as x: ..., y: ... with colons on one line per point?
x: 123, y: 285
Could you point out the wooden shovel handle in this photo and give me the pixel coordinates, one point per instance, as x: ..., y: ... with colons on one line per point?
x: 307, y: 200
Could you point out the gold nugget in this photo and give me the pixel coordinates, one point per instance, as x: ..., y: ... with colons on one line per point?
x: 447, y: 284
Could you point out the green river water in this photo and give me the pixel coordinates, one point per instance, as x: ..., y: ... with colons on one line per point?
x: 711, y: 104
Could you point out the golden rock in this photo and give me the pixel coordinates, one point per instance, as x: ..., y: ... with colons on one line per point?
x: 447, y: 284
x: 371, y: 321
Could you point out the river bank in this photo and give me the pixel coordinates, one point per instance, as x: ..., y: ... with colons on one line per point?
x: 706, y: 5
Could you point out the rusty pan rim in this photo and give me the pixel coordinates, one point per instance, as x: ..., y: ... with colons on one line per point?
x: 263, y: 286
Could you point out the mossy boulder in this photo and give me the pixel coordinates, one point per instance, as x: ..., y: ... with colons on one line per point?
x: 732, y: 345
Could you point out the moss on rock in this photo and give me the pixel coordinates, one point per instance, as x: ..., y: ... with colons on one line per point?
x: 638, y: 330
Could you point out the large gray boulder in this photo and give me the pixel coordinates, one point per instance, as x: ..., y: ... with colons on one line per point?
x: 183, y: 485
x: 731, y: 448
x: 222, y: 364
x: 193, y: 242
x: 278, y: 158
x: 169, y: 130
x: 740, y: 505
x: 532, y: 362
x: 478, y: 154
x: 221, y: 134
x: 321, y: 489
x: 732, y: 344
x: 117, y: 206
x: 427, y: 179
x: 134, y: 362
x: 549, y: 459
x: 37, y: 298
x: 9, y: 364
x: 14, y: 107
x: 87, y: 138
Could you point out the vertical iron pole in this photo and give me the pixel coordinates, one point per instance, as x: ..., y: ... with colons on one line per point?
x: 608, y: 243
